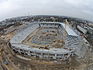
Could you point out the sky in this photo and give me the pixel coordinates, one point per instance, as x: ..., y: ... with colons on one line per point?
x: 74, y: 8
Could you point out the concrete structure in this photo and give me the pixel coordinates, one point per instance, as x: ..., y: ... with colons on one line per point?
x: 81, y: 29
x: 52, y: 53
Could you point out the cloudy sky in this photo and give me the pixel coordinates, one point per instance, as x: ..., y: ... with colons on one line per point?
x: 74, y: 8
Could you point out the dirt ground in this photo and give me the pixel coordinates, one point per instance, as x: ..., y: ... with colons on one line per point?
x: 10, y: 61
x: 45, y: 37
x: 15, y: 63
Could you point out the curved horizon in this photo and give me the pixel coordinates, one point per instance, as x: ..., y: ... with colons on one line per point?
x: 73, y: 8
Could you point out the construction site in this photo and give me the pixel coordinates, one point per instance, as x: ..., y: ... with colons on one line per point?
x: 43, y: 37
x: 44, y: 46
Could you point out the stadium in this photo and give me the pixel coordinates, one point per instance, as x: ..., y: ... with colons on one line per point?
x: 47, y: 40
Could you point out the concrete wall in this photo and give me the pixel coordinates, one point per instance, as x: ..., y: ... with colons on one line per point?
x: 43, y: 54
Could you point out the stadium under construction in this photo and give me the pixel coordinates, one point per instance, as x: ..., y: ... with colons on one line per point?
x: 47, y: 40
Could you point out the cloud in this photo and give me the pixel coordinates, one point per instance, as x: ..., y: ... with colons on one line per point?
x: 2, y: 1
x: 75, y: 8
